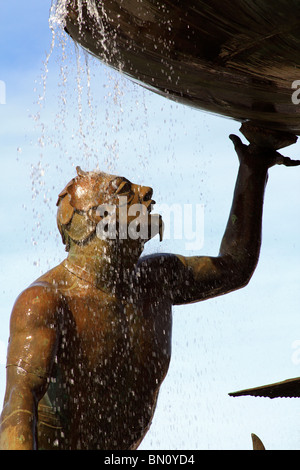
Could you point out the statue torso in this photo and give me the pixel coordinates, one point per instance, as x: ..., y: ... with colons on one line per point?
x: 112, y: 356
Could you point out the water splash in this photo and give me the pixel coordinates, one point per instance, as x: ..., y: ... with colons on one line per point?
x: 60, y: 10
x: 77, y: 130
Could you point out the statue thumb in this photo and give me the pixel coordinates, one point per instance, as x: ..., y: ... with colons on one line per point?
x: 236, y: 141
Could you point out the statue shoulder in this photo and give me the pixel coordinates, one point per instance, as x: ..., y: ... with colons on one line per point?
x: 159, y: 262
x: 37, y: 305
x: 161, y: 271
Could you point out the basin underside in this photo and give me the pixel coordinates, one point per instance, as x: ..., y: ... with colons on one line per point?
x: 236, y: 58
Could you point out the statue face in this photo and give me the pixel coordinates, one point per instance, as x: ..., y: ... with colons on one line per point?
x: 126, y: 211
x: 109, y: 204
x: 120, y: 187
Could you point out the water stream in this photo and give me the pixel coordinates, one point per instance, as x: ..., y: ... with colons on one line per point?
x: 89, y: 115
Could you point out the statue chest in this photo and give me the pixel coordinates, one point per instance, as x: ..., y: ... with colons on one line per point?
x: 102, y: 334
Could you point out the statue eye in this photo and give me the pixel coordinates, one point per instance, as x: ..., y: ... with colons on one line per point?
x: 124, y: 188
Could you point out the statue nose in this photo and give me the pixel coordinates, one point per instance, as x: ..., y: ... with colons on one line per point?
x: 145, y: 193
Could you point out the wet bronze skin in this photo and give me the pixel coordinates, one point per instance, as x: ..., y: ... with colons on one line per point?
x: 90, y: 340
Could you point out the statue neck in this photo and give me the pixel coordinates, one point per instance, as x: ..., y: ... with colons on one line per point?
x: 105, y: 265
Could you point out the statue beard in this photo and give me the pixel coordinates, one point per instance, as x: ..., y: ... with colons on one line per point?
x: 132, y: 229
x: 156, y: 226
x: 143, y: 229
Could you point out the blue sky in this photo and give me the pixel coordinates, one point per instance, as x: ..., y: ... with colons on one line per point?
x: 244, y: 339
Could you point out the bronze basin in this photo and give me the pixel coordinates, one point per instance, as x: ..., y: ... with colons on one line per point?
x: 236, y: 58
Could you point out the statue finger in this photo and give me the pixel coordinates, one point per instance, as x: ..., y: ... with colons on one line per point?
x: 286, y: 161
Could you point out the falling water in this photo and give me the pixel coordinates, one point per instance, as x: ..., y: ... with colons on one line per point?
x: 84, y: 123
x: 93, y: 143
x: 79, y: 132
x: 78, y: 128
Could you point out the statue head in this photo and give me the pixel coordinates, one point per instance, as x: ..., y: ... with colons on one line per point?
x: 94, y: 198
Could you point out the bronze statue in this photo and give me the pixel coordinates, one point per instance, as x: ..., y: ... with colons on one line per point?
x: 286, y: 389
x: 257, y: 443
x: 235, y: 58
x: 90, y: 340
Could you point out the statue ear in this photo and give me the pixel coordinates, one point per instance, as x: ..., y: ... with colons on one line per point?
x: 65, y: 210
x: 80, y: 228
x: 80, y: 172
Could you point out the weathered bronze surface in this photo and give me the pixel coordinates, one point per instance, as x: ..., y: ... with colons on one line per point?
x: 287, y: 389
x: 236, y: 58
x: 257, y: 443
x: 90, y: 340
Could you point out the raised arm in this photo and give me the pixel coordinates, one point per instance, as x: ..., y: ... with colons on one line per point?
x: 200, y: 277
x: 31, y: 352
